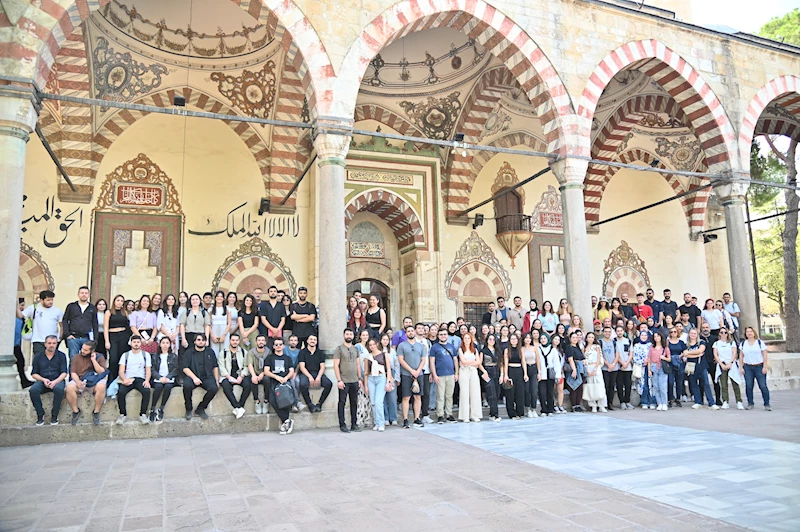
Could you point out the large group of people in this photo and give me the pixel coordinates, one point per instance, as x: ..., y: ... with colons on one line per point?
x: 530, y: 358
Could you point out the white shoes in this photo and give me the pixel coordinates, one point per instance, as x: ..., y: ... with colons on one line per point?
x: 739, y: 406
x: 238, y: 412
x: 144, y: 419
x: 725, y: 405
x: 532, y: 413
x: 381, y: 429
x: 375, y: 427
x: 714, y: 407
x: 594, y: 410
x: 645, y: 407
x: 427, y: 419
x: 258, y: 408
x: 696, y: 406
x: 121, y: 419
x: 603, y: 409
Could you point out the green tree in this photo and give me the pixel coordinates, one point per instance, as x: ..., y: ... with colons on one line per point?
x: 785, y: 28
x: 765, y: 199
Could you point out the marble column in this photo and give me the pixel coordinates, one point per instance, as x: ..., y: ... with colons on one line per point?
x: 331, y: 147
x: 571, y: 174
x: 731, y: 196
x: 17, y: 120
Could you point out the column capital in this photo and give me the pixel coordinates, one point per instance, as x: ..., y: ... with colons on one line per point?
x: 331, y: 137
x: 570, y: 171
x: 17, y: 117
x: 732, y: 190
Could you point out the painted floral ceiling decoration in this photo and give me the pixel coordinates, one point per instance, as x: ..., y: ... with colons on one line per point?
x: 435, y: 117
x: 684, y: 154
x: 252, y: 92
x: 621, y: 258
x: 120, y: 78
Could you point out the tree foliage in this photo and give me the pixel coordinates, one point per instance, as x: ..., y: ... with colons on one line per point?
x: 769, y: 260
x: 763, y: 198
x: 785, y: 28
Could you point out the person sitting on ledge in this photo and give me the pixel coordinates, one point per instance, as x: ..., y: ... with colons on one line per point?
x: 311, y: 365
x: 165, y: 369
x: 89, y: 372
x: 134, y: 373
x: 49, y: 374
x: 202, y: 370
x: 254, y: 370
x: 278, y: 368
x: 232, y: 373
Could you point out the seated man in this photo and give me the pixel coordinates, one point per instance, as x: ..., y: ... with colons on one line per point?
x: 49, y: 375
x: 254, y: 370
x: 278, y: 369
x: 134, y: 374
x: 311, y: 366
x: 201, y: 367
x: 89, y: 373
x: 231, y: 372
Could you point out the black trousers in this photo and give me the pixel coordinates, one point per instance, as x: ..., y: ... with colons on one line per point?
x: 351, y: 391
x: 23, y: 380
x: 531, y: 387
x: 227, y: 389
x: 712, y: 370
x: 546, y: 393
x: 624, y: 379
x: 137, y: 384
x: 159, y: 389
x: 283, y: 413
x: 492, y: 389
x: 190, y: 336
x: 119, y: 345
x: 611, y: 378
x: 426, y: 395
x: 515, y: 397
x: 305, y: 384
x: 302, y: 342
x: 209, y: 384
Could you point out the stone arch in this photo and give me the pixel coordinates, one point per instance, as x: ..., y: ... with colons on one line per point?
x: 474, y: 271
x: 499, y: 34
x: 783, y: 88
x: 458, y: 187
x: 34, y: 274
x: 624, y: 276
x: 253, y: 265
x: 386, y: 117
x: 43, y: 28
x: 117, y: 123
x: 392, y: 209
x: 691, y: 92
x: 624, y: 265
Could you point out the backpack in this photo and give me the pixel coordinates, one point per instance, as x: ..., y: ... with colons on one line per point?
x: 27, y: 326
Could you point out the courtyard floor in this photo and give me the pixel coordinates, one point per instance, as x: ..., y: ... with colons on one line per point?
x: 640, y: 470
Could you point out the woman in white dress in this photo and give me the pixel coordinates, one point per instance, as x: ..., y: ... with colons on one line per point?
x: 220, y: 323
x: 594, y: 390
x: 167, y: 321
x: 469, y: 365
x: 232, y: 302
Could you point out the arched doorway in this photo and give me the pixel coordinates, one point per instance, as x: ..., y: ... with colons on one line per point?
x: 373, y: 286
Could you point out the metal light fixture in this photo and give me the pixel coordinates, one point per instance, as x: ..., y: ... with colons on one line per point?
x: 263, y: 207
x: 478, y: 221
x: 179, y: 101
x: 709, y: 237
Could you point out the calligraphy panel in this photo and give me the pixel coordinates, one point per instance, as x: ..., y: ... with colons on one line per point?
x: 371, y: 176
x: 366, y: 250
x: 139, y: 195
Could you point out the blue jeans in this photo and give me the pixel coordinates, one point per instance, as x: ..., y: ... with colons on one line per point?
x: 701, y: 374
x: 675, y: 383
x: 646, y: 398
x: 390, y: 406
x: 377, y: 396
x: 754, y: 372
x: 74, y: 346
x: 660, y: 385
x: 39, y: 388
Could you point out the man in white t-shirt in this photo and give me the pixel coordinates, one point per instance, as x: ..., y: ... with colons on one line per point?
x: 134, y: 374
x: 733, y: 309
x: 46, y: 320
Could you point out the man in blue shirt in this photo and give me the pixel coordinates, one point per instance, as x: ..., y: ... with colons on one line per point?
x: 50, y: 374
x: 400, y: 336
x: 444, y: 371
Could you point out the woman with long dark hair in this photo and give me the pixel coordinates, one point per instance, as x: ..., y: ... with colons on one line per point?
x: 195, y: 321
x: 548, y: 317
x: 659, y: 357
x: 375, y: 317
x: 143, y: 322
x: 596, y: 393
x: 551, y: 368
x: 232, y: 302
x: 155, y: 302
x: 491, y: 363
x: 220, y: 323
x: 377, y: 377
x: 575, y: 358
x: 100, y: 345
x: 470, y: 364
x: 616, y: 311
x: 163, y: 372
x: 352, y: 304
x: 515, y: 375
x: 167, y: 321
x: 390, y: 401
x: 530, y: 349
x: 641, y: 357
x: 357, y: 322
x: 117, y: 333
x: 248, y: 322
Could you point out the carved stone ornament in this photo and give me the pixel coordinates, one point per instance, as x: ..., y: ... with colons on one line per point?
x: 436, y: 116
x: 120, y: 78
x: 40, y: 264
x: 256, y: 247
x: 683, y: 154
x: 507, y: 177
x: 623, y: 257
x: 253, y: 92
x: 475, y: 249
x: 547, y: 215
x: 138, y: 186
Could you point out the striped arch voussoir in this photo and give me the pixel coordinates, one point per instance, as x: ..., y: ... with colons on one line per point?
x: 392, y: 209
x: 476, y: 270
x: 772, y: 90
x: 386, y: 117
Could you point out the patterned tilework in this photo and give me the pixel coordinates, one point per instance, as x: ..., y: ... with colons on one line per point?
x: 750, y: 482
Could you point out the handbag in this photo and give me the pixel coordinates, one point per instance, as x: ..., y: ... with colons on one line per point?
x: 638, y: 371
x: 594, y: 389
x: 284, y: 395
x: 666, y: 367
x: 690, y: 368
x: 91, y: 378
x: 508, y: 384
x: 551, y: 374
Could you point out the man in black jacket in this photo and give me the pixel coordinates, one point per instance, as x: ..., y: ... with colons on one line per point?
x: 200, y: 366
x: 80, y: 322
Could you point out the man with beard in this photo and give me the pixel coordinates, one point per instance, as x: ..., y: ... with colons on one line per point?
x: 311, y: 366
x: 273, y: 317
x: 303, y: 314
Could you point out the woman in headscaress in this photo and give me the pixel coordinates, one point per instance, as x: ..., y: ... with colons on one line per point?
x: 641, y: 357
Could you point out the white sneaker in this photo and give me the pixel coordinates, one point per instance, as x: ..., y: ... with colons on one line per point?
x: 385, y: 423
x: 283, y: 428
x: 121, y: 419
x: 603, y: 409
x: 239, y: 413
x: 630, y: 406
x: 258, y: 408
x: 714, y: 407
x: 739, y: 406
x: 374, y: 427
x: 427, y: 419
x: 696, y: 406
x: 144, y: 419
x: 535, y: 414
x: 381, y: 429
x: 725, y: 405
x: 295, y: 409
x: 594, y: 409
x: 645, y: 407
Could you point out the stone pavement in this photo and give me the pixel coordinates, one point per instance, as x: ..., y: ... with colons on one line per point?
x: 320, y: 480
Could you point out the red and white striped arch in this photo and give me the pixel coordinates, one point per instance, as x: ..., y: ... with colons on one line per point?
x: 691, y: 92
x: 500, y: 35
x: 386, y: 117
x: 458, y: 188
x: 786, y: 89
x: 392, y: 209
x: 120, y: 121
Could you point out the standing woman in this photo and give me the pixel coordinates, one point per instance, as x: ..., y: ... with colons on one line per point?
x: 550, y: 369
x: 364, y: 407
x: 375, y: 317
x: 390, y: 401
x: 220, y: 323
x: 167, y: 322
x: 491, y: 359
x: 575, y: 376
x: 641, y: 357
x: 357, y: 322
x: 677, y: 348
x: 659, y: 358
x: 530, y: 317
x: 515, y: 373
x: 695, y: 355
x: 727, y: 357
x: 155, y: 303
x: 288, y: 326
x: 530, y: 348
x: 631, y: 333
x: 754, y: 367
x: 564, y: 312
x: 162, y: 375
x: 559, y: 366
x: 595, y: 385
x: 377, y: 373
x: 100, y: 344
x: 195, y: 321
x: 352, y: 304
x: 183, y: 300
x: 248, y: 322
x: 469, y: 365
x: 576, y: 322
x: 143, y: 323
x: 117, y: 333
x: 602, y: 311
x: 616, y: 311
x: 713, y: 316
x: 548, y: 318
x: 232, y: 300
x: 130, y: 306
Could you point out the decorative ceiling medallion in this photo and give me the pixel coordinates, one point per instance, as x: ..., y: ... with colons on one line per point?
x: 120, y: 78
x: 497, y: 122
x: 252, y: 92
x: 185, y: 41
x: 683, y: 154
x: 547, y: 215
x: 256, y: 247
x: 621, y: 258
x: 507, y: 177
x: 139, y: 186
x: 436, y: 116
x: 475, y: 249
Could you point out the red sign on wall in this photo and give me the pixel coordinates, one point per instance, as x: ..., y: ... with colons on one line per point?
x: 142, y: 196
